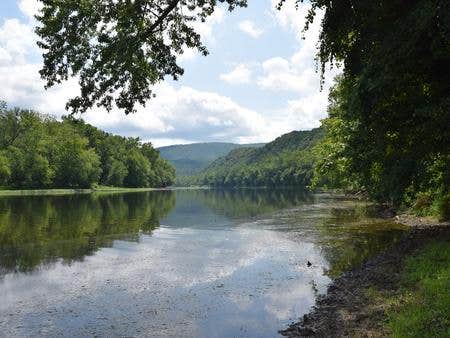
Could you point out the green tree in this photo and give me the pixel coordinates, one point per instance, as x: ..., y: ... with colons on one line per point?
x: 76, y: 165
x: 5, y: 170
x: 121, y: 47
x: 116, y: 173
x: 38, y: 173
x: 395, y: 97
x: 138, y: 170
x: 37, y: 151
x: 16, y: 159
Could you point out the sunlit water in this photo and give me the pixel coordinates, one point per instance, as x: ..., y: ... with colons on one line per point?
x: 197, y: 263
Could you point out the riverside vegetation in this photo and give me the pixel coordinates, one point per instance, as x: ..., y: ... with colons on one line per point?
x: 38, y: 152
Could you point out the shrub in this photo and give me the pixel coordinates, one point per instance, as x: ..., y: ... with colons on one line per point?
x: 444, y: 207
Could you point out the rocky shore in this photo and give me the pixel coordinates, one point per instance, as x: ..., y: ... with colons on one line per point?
x: 346, y: 310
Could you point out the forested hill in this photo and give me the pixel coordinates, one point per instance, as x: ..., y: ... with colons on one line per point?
x: 286, y: 161
x: 38, y: 151
x: 189, y: 159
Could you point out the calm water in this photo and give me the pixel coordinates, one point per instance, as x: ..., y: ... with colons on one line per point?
x: 196, y: 263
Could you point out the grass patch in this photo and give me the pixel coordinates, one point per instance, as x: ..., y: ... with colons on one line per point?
x: 422, y: 307
x: 106, y: 189
x: 40, y: 192
x: 97, y: 189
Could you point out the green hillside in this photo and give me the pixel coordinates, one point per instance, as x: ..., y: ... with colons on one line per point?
x: 286, y: 161
x: 190, y: 159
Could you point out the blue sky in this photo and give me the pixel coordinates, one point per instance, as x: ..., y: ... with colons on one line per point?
x: 258, y: 82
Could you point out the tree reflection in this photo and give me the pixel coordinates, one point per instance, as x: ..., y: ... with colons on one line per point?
x: 43, y: 229
x: 40, y: 230
x: 349, y: 236
x: 236, y: 203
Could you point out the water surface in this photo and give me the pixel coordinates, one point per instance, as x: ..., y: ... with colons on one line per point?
x: 194, y: 263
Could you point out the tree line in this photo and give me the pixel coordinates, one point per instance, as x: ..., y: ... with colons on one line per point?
x: 286, y: 161
x: 389, y: 113
x: 38, y: 151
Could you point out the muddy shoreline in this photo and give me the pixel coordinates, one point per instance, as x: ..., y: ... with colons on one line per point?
x: 345, y: 310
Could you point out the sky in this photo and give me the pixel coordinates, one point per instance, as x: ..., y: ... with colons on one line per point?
x: 258, y: 82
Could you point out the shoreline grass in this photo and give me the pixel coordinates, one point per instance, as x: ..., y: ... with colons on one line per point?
x: 422, y: 307
x: 63, y: 191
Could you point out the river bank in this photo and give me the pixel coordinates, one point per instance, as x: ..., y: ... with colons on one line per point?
x: 367, y: 300
x: 101, y: 189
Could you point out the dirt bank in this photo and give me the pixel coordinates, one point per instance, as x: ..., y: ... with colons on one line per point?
x: 346, y: 309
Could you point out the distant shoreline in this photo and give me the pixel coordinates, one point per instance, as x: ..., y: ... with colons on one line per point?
x: 101, y: 189
x: 41, y: 192
x: 106, y: 189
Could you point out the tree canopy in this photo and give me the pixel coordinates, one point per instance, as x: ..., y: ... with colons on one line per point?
x: 118, y: 49
x: 37, y: 151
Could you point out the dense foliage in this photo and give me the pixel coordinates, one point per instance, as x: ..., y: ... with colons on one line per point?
x: 287, y: 161
x: 37, y: 151
x: 390, y: 111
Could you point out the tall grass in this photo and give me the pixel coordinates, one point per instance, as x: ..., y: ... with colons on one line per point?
x: 422, y: 309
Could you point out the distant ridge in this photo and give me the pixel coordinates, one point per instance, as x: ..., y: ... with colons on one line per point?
x: 190, y: 159
x: 286, y: 161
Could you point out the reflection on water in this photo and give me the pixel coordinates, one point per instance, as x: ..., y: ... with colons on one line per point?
x: 203, y: 263
x: 38, y: 230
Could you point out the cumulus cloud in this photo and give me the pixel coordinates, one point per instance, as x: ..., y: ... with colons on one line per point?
x: 17, y: 41
x: 29, y: 7
x: 176, y: 113
x: 240, y: 74
x: 179, y: 113
x: 297, y: 74
x: 185, y: 113
x: 249, y: 28
x: 281, y: 74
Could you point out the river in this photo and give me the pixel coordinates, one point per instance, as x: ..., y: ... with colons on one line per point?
x: 183, y: 263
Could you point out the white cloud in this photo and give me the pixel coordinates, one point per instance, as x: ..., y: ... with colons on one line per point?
x: 297, y: 74
x: 249, y: 28
x: 205, y: 29
x: 30, y: 7
x: 280, y: 74
x: 5, y: 57
x: 176, y: 113
x: 17, y: 40
x: 184, y: 114
x: 179, y: 113
x: 241, y: 74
